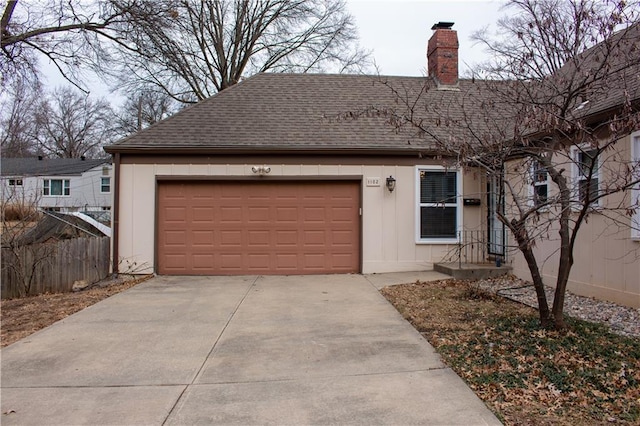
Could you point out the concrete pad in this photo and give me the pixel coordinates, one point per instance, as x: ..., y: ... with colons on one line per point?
x: 436, y: 397
x: 159, y: 332
x: 182, y: 350
x: 383, y: 280
x: 320, y: 326
x: 88, y: 406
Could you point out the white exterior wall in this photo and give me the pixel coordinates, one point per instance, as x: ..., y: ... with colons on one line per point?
x: 84, y: 191
x: 388, y: 219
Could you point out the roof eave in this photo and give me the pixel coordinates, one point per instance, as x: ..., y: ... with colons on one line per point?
x: 182, y: 150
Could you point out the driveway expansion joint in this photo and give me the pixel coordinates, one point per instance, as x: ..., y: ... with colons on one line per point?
x: 213, y: 347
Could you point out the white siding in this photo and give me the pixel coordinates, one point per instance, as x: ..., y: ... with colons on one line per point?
x: 85, y: 191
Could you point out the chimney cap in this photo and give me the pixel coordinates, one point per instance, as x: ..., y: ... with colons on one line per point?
x: 442, y: 25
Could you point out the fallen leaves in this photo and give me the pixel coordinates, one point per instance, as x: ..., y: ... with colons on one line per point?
x: 21, y: 317
x: 526, y: 374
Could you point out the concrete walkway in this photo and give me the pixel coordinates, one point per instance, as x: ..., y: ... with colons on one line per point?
x: 236, y: 350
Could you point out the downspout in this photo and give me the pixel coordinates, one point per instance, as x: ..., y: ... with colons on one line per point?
x: 115, y: 231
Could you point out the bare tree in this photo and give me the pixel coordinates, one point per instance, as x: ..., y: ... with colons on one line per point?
x: 192, y: 49
x: 17, y: 119
x: 545, y: 118
x: 68, y: 33
x: 20, y: 262
x: 73, y: 125
x: 574, y: 97
x: 142, y: 109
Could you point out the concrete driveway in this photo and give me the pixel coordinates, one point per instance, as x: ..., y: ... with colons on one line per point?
x: 236, y: 350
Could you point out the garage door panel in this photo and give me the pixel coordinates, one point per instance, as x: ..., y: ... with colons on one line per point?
x: 257, y: 261
x: 175, y: 214
x: 259, y: 215
x: 265, y: 227
x: 231, y: 238
x: 175, y: 238
x: 341, y: 214
x: 314, y: 261
x: 175, y: 261
x: 286, y: 261
x: 259, y: 238
x: 286, y: 239
x: 203, y: 239
x: 314, y: 214
x: 286, y: 214
x: 202, y: 262
x: 342, y: 238
x: 314, y: 238
x: 230, y: 262
x: 203, y: 214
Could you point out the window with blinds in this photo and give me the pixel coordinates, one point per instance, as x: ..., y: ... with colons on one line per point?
x: 438, y: 208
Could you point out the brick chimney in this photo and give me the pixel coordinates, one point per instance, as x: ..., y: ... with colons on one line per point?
x: 442, y: 54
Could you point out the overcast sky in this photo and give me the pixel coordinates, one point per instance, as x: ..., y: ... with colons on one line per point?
x: 398, y: 31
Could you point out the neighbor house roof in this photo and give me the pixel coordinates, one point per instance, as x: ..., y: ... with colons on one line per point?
x: 275, y: 112
x: 47, y: 166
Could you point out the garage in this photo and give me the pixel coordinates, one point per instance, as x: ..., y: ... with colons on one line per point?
x: 258, y: 227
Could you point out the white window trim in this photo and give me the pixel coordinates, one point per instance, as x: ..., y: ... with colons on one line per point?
x: 63, y: 186
x: 635, y: 192
x: 459, y: 216
x: 532, y: 185
x: 101, y: 186
x: 575, y: 176
x: 16, y: 182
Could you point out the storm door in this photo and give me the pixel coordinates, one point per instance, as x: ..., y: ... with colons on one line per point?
x: 496, y: 231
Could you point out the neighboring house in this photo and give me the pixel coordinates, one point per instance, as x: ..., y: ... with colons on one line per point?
x: 58, y: 184
x: 303, y: 174
x: 607, y: 251
x: 606, y: 256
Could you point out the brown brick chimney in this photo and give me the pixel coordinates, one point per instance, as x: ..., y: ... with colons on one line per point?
x: 442, y: 54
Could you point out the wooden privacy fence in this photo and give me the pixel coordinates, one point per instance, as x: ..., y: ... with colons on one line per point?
x: 53, y: 267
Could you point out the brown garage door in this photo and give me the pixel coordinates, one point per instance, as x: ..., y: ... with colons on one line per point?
x: 229, y: 228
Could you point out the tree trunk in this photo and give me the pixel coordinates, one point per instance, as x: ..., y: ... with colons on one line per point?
x: 519, y: 231
x: 566, y: 252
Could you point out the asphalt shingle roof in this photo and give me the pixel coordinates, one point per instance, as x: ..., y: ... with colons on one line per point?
x: 282, y: 112
x: 357, y: 113
x: 47, y: 166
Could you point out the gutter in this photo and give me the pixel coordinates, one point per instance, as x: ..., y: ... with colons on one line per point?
x: 91, y: 221
x: 181, y: 149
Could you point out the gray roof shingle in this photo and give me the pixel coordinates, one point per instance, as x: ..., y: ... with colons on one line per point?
x: 292, y: 112
x: 272, y: 112
x: 47, y: 166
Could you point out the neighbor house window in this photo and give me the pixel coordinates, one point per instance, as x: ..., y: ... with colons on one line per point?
x: 15, y: 182
x: 540, y: 184
x: 635, y: 193
x: 56, y: 187
x: 105, y: 184
x: 438, y: 205
x: 586, y: 174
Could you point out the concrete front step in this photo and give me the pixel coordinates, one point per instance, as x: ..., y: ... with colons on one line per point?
x: 472, y: 271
